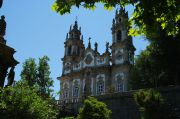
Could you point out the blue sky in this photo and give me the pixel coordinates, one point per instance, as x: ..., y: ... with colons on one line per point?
x: 34, y: 30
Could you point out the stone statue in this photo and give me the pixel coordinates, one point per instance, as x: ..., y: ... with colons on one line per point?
x: 1, y: 2
x: 2, y: 26
x: 11, y: 76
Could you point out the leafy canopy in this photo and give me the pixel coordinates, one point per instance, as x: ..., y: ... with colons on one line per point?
x: 23, y: 102
x: 153, y: 106
x: 147, y: 13
x: 93, y: 109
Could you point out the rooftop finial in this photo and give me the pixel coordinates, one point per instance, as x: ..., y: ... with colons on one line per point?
x: 81, y: 37
x: 96, y: 46
x: 2, y: 26
x: 76, y: 24
x: 70, y: 28
x: 107, y: 46
x: 66, y: 36
x: 89, y: 44
x: 122, y: 10
x: 80, y: 29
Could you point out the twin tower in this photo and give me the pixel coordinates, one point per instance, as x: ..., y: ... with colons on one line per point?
x: 87, y: 72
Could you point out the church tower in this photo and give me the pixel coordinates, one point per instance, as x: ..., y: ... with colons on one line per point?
x: 74, y: 48
x: 122, y: 50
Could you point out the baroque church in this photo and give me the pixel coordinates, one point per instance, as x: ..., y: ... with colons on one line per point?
x: 86, y: 72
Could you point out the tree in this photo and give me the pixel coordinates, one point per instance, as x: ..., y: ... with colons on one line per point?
x: 23, y: 102
x: 147, y: 14
x: 44, y: 81
x: 29, y: 72
x: 93, y: 109
x: 153, y: 106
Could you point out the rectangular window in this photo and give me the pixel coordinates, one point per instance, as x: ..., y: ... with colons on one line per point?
x: 76, y: 92
x: 120, y: 87
x: 100, y: 88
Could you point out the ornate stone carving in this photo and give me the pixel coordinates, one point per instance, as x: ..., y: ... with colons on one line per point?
x: 88, y: 59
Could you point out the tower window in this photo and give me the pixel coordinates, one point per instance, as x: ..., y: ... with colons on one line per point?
x: 119, y: 36
x: 69, y: 50
x: 119, y: 20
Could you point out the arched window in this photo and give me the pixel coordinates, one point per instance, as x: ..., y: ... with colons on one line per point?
x: 75, y: 92
x: 119, y: 35
x: 119, y: 20
x: 69, y: 50
x: 100, y: 87
x: 76, y: 89
x: 75, y: 50
x: 65, y: 91
x: 65, y: 94
x: 120, y: 84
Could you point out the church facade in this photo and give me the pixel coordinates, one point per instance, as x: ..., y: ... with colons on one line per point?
x: 86, y: 72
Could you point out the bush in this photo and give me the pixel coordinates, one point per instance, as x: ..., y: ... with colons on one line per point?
x: 93, y: 109
x: 22, y: 102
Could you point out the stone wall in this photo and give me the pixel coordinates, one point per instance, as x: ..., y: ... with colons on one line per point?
x: 123, y: 105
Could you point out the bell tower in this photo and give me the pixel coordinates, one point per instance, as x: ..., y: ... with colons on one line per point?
x: 122, y: 47
x: 74, y: 47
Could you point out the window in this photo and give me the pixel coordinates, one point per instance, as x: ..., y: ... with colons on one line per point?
x: 100, y: 87
x: 69, y: 50
x: 119, y: 20
x: 75, y: 88
x: 120, y: 87
x: 65, y: 94
x: 76, y: 92
x: 119, y: 36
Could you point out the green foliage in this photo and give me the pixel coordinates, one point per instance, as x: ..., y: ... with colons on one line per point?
x: 93, y: 109
x: 157, y: 65
x: 38, y: 75
x: 150, y: 103
x: 147, y: 13
x: 44, y: 81
x: 23, y: 102
x: 29, y: 72
x: 153, y: 106
x: 69, y: 118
